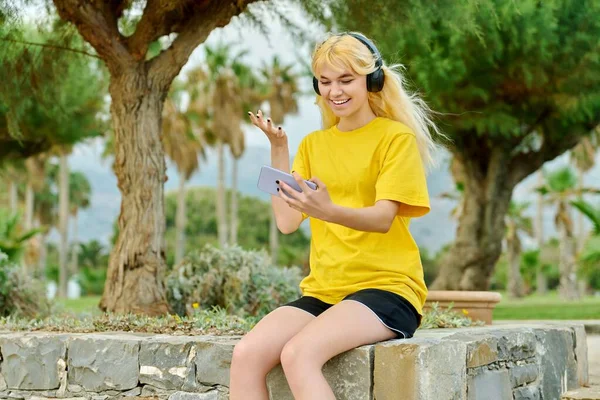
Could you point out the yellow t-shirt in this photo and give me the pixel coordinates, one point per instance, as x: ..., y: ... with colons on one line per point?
x: 377, y: 161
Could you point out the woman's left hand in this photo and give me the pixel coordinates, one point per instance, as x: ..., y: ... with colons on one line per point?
x: 315, y: 203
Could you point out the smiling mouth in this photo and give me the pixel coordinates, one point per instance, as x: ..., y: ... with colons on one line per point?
x: 340, y: 102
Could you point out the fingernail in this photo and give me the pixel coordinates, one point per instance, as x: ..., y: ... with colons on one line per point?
x: 277, y: 182
x: 293, y: 172
x: 278, y: 189
x: 249, y: 113
x: 268, y: 119
x: 279, y: 128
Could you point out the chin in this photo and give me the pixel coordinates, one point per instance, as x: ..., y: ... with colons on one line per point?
x: 341, y: 113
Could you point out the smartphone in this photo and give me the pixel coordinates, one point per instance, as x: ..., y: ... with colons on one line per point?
x: 268, y: 177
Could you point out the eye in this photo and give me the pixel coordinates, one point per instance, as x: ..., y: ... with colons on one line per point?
x: 347, y: 82
x: 325, y: 83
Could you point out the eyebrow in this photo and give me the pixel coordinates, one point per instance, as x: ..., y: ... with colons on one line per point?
x: 346, y: 75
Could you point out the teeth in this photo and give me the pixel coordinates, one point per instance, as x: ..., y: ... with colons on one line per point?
x: 341, y: 101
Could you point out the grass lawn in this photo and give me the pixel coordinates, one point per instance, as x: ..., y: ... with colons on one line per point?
x: 549, y: 306
x: 83, y: 305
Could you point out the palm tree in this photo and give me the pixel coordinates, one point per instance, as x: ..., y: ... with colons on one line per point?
x: 63, y: 221
x: 225, y: 105
x: 540, y: 276
x: 282, y: 89
x: 583, y: 157
x: 92, y: 254
x: 80, y: 192
x: 516, y: 222
x: 182, y: 146
x: 590, y: 254
x: 560, y: 187
x: 46, y: 213
x: 35, y: 167
x: 13, y: 171
x: 250, y: 93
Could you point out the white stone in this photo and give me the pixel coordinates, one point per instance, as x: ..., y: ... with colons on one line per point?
x: 212, y: 395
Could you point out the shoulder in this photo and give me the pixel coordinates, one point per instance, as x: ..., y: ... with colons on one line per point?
x: 394, y: 129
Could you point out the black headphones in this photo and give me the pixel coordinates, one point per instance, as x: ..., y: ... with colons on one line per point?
x: 376, y: 78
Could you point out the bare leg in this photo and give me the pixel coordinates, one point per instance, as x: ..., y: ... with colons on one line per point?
x: 259, y: 351
x: 346, y: 325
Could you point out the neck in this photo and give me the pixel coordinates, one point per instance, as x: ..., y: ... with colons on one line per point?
x: 356, y: 120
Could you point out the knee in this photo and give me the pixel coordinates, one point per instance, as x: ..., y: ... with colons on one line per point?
x: 243, y: 354
x: 294, y: 355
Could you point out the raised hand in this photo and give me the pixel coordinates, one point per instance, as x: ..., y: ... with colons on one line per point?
x: 275, y: 134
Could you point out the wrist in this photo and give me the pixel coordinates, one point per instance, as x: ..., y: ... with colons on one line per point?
x: 334, y: 213
x: 279, y: 148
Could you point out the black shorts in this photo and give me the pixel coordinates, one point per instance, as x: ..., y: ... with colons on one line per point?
x: 394, y: 311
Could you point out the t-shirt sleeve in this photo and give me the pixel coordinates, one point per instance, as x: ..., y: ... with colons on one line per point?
x: 301, y: 166
x: 402, y: 177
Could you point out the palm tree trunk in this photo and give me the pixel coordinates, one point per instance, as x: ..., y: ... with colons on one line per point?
x: 540, y: 277
x: 43, y: 256
x: 233, y: 216
x: 515, y: 279
x: 221, y: 207
x: 580, y: 235
x: 13, y: 196
x: 29, y: 204
x: 63, y: 225
x: 28, y: 222
x: 568, y: 288
x: 580, y: 221
x: 180, y: 221
x: 273, y: 237
x: 75, y: 244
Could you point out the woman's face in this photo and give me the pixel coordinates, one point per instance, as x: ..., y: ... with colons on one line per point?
x: 344, y: 91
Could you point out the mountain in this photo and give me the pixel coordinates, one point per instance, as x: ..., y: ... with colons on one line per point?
x: 431, y: 231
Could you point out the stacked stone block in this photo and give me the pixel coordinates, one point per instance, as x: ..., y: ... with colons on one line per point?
x: 486, y: 363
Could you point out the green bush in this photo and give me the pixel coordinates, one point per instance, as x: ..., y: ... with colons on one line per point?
x: 92, y: 280
x: 20, y: 296
x: 242, y: 282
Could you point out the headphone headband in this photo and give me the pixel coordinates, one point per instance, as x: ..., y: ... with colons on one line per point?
x: 370, y: 45
x: 376, y: 78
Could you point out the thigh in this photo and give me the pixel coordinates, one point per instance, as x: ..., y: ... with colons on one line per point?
x: 344, y: 326
x: 266, y: 340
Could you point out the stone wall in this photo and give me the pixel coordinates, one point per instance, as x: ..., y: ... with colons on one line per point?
x: 484, y: 363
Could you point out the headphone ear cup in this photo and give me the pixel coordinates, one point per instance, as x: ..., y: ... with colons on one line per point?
x: 316, y: 86
x: 375, y: 81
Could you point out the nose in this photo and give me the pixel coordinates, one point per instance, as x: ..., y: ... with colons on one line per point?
x: 336, y: 90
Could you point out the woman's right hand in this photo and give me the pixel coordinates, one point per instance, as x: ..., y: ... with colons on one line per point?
x: 275, y: 134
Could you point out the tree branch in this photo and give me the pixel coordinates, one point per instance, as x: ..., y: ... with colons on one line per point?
x: 196, y: 28
x: 97, y: 23
x: 524, y: 164
x: 160, y: 18
x: 51, y: 46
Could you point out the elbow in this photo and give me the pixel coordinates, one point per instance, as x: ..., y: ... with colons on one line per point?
x: 286, y: 230
x: 386, y: 225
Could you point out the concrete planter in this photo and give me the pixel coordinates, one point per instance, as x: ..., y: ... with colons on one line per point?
x: 478, y: 305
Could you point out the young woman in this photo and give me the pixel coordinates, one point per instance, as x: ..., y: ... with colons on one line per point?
x: 366, y: 279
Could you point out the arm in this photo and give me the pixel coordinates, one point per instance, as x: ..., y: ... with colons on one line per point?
x: 288, y: 219
x: 318, y: 204
x: 377, y: 218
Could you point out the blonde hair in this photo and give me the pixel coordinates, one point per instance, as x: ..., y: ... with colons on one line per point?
x: 394, y: 101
